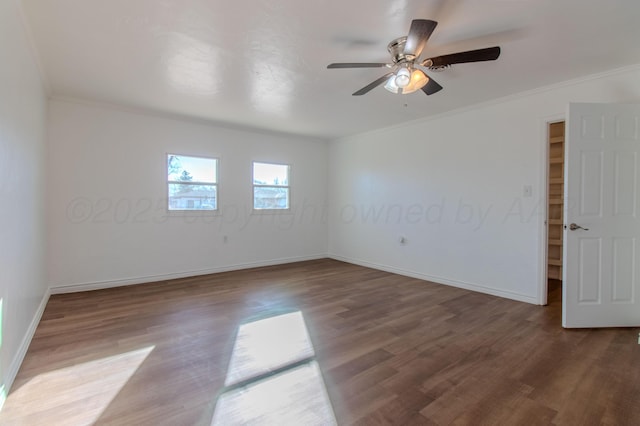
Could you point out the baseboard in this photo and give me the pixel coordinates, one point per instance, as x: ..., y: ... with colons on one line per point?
x: 99, y: 285
x: 439, y: 280
x: 22, y: 349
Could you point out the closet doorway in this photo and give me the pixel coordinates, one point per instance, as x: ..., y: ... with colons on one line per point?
x: 555, y: 204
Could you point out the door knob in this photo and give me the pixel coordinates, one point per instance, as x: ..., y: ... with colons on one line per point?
x: 574, y: 227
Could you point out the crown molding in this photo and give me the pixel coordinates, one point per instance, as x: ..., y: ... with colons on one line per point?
x: 501, y: 100
x: 33, y: 49
x: 167, y: 115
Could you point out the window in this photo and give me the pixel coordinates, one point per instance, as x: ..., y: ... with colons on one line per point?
x: 192, y: 183
x: 271, y: 186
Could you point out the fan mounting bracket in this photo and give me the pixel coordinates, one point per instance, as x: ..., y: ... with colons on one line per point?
x: 396, y: 50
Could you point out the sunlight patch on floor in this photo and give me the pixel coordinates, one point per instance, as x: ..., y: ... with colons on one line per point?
x: 273, y: 377
x: 295, y: 397
x: 3, y: 396
x: 77, y: 394
x: 268, y: 344
x: 3, y: 391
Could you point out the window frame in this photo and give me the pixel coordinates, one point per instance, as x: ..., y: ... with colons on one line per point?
x: 254, y: 185
x: 168, y: 182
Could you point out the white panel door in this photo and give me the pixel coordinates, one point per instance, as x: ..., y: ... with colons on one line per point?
x: 601, y: 283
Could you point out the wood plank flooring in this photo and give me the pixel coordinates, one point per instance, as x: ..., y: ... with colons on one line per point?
x: 378, y: 349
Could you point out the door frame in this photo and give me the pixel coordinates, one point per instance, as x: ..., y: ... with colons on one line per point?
x: 544, y: 204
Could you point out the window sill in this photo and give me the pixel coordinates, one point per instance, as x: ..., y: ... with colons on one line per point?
x: 193, y: 213
x: 283, y: 212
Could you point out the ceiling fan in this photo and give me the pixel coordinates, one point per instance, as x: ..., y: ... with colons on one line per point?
x: 407, y: 73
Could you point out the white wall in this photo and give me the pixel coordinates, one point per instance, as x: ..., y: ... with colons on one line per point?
x: 453, y: 186
x: 23, y: 289
x: 107, y: 214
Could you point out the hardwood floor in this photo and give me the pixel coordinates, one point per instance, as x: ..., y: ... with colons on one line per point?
x: 318, y: 342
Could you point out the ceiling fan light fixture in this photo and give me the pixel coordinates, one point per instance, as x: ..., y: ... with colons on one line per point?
x: 405, y: 53
x: 391, y: 85
x: 417, y: 81
x: 403, y: 77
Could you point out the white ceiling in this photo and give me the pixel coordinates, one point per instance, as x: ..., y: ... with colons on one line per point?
x: 262, y: 63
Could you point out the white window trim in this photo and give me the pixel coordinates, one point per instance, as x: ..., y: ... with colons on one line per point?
x: 288, y: 210
x: 195, y: 212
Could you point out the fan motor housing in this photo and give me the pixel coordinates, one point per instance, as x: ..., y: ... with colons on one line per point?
x: 396, y: 49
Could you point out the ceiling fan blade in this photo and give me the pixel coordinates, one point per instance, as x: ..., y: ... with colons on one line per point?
x: 487, y: 54
x: 419, y: 33
x: 373, y: 85
x: 357, y: 65
x: 431, y: 87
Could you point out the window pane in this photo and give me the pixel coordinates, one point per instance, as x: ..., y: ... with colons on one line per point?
x: 270, y: 174
x: 192, y: 197
x: 191, y: 169
x: 270, y: 197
